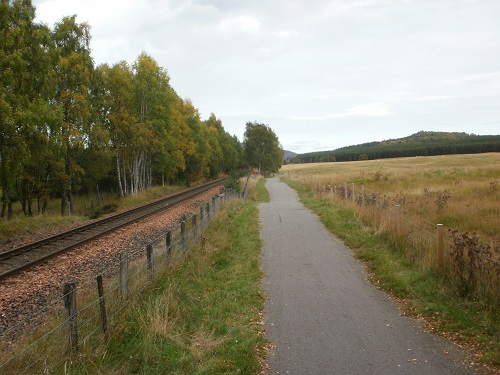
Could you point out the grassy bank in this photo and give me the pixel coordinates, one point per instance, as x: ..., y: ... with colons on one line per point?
x: 425, y: 295
x: 85, y: 207
x: 203, y: 317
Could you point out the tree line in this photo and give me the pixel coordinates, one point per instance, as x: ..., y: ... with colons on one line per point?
x: 68, y: 126
x: 419, y: 144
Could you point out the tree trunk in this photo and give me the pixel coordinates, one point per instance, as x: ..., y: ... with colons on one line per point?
x: 30, y: 206
x: 63, y: 202
x: 6, y: 200
x: 118, y: 174
x: 44, y: 206
x: 21, y: 195
x: 125, y: 186
x: 23, y: 205
x: 70, y: 197
x: 4, y: 206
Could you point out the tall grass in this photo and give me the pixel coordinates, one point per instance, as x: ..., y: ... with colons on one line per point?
x: 459, y: 191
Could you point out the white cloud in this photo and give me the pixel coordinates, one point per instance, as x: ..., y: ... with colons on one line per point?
x: 285, y: 34
x: 316, y: 71
x: 240, y: 23
x: 369, y: 110
x: 365, y: 110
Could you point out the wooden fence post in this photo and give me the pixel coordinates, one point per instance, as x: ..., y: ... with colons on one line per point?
x: 202, y: 223
x: 345, y: 192
x: 71, y: 314
x: 124, y: 277
x: 150, y: 259
x: 208, y: 212
x: 194, y: 227
x: 102, y: 305
x: 214, y: 204
x: 440, y: 250
x: 183, y: 237
x: 168, y: 244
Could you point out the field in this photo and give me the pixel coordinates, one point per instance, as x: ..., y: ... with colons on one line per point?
x: 460, y: 191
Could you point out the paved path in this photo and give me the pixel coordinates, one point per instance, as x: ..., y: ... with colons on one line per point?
x: 323, y: 315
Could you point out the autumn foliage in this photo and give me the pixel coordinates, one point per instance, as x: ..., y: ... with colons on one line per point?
x: 68, y: 126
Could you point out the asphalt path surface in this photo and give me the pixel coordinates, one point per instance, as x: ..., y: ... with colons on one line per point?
x: 323, y: 316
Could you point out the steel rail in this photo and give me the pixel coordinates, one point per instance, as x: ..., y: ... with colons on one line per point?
x: 11, y: 261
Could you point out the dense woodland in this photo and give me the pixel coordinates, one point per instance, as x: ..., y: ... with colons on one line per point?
x: 419, y: 144
x: 69, y: 126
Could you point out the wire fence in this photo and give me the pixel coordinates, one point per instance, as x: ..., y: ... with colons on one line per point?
x: 79, y: 321
x: 473, y: 267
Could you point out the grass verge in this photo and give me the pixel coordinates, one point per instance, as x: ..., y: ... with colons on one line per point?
x: 202, y: 317
x: 424, y: 294
x: 258, y: 192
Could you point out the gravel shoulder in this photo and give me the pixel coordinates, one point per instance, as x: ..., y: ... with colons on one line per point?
x: 322, y: 314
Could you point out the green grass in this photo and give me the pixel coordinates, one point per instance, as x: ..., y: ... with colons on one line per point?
x: 425, y: 294
x: 11, y: 230
x: 262, y: 195
x: 203, y: 317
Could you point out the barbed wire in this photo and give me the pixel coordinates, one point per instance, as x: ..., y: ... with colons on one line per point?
x: 349, y: 187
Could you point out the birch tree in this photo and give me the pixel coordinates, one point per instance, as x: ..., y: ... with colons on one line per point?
x: 74, y: 68
x: 25, y: 66
x: 119, y: 103
x: 262, y: 147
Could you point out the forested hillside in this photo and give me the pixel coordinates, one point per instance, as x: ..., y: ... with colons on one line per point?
x: 423, y: 143
x: 68, y: 126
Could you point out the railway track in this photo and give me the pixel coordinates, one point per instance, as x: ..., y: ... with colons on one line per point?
x: 24, y: 257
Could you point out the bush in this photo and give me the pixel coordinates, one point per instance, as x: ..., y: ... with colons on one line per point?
x: 234, y: 181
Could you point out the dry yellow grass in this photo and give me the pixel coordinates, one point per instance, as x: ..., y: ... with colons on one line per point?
x: 404, y: 199
x: 460, y: 191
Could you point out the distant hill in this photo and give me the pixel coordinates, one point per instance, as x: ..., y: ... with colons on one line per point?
x: 423, y: 143
x: 289, y: 154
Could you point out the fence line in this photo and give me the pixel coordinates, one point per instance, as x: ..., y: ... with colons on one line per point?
x: 424, y: 242
x: 359, y: 198
x: 84, y: 328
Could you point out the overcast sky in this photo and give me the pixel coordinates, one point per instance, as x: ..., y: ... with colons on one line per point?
x: 322, y: 74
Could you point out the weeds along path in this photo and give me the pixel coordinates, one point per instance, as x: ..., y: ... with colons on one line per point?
x: 322, y: 314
